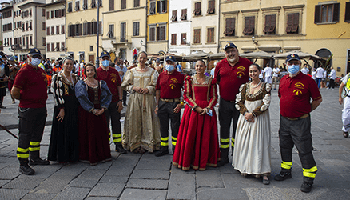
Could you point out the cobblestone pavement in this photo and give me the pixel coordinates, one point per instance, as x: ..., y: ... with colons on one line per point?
x: 132, y: 176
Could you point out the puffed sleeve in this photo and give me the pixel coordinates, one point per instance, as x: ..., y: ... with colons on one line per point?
x: 56, y: 85
x: 153, y: 82
x: 82, y: 95
x: 188, y: 92
x: 240, y: 99
x: 128, y: 82
x: 212, y: 94
x: 106, y: 95
x: 265, y: 102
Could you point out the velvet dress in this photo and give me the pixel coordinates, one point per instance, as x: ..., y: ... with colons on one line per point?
x: 93, y: 130
x: 197, y: 141
x: 64, y: 145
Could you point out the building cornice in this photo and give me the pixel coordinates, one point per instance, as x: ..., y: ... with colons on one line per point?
x: 116, y: 11
x: 294, y: 6
x: 55, y: 3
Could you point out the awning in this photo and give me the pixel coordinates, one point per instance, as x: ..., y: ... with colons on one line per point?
x: 269, y: 47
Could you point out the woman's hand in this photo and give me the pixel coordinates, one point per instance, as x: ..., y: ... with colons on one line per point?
x: 136, y: 89
x: 144, y: 91
x: 177, y: 108
x: 60, y: 115
x: 249, y: 117
x: 199, y: 110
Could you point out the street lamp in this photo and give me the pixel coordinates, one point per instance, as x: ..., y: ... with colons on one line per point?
x: 98, y: 27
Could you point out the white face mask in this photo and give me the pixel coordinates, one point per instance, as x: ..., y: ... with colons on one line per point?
x: 35, y: 62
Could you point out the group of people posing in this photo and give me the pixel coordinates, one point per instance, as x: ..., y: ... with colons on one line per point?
x: 83, y: 109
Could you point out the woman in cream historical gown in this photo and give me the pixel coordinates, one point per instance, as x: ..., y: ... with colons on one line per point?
x: 141, y: 127
x: 251, y: 154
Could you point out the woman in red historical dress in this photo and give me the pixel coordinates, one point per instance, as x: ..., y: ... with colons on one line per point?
x: 197, y: 140
x: 94, y: 98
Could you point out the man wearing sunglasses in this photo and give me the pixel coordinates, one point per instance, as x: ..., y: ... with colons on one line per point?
x: 30, y: 89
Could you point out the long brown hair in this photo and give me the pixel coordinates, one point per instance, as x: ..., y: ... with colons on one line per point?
x: 93, y: 66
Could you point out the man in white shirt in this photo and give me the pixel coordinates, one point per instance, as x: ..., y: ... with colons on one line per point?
x: 305, y: 70
x: 346, y: 110
x: 319, y: 75
x: 275, y: 78
x: 261, y: 75
x: 332, y: 76
x: 268, y: 74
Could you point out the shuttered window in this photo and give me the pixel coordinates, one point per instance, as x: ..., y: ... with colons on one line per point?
x: 47, y: 15
x: 111, y: 5
x: 152, y: 33
x: 123, y: 4
x: 183, y: 38
x: 52, y: 46
x: 47, y: 30
x: 43, y: 40
x: 52, y: 30
x: 136, y: 3
x: 197, y: 8
x: 174, y: 16
x: 347, y: 12
x: 249, y: 25
x: 152, y: 7
x: 63, y: 29
x: 184, y: 14
x: 293, y: 23
x: 270, y: 24
x: 136, y: 29
x: 57, y: 29
x: 63, y: 46
x: 160, y: 33
x: 122, y: 31
x: 173, y: 39
x: 48, y: 47
x: 43, y: 25
x: 211, y: 8
x: 197, y: 36
x: 327, y: 13
x: 210, y: 35
x: 162, y: 6
x: 111, y: 31
x: 230, y: 24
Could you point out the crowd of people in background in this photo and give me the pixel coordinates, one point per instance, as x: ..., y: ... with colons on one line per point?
x: 89, y: 100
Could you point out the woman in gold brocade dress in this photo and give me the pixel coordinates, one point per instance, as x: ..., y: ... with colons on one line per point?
x: 141, y: 127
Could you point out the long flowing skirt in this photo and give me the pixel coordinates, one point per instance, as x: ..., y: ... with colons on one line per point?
x: 252, y: 149
x: 64, y: 144
x: 197, y: 141
x: 93, y: 137
x: 141, y: 127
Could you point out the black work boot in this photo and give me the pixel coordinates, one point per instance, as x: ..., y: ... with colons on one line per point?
x: 224, y: 157
x: 284, y: 174
x: 307, y: 185
x: 119, y: 148
x: 163, y: 151
x: 36, y: 160
x: 24, y: 167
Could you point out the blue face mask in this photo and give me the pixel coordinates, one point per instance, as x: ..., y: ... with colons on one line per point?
x: 293, y: 69
x: 105, y: 63
x: 35, y: 62
x: 169, y: 68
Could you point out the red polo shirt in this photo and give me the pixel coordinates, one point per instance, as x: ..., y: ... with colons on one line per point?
x: 295, y: 95
x: 32, y: 82
x: 231, y: 78
x: 170, y: 84
x: 112, y: 78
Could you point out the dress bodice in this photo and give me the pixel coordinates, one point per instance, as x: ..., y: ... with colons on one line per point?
x: 200, y: 94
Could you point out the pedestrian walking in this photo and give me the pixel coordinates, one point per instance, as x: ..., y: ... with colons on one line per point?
x: 30, y: 89
x: 305, y: 70
x: 296, y: 90
x: 111, y: 77
x: 275, y: 76
x: 332, y: 76
x: 94, y: 98
x: 319, y: 76
x: 121, y: 70
x: 64, y: 145
x: 168, y: 98
x: 268, y: 74
x: 197, y: 142
x: 231, y: 73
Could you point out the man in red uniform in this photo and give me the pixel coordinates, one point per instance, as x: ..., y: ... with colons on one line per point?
x: 168, y: 95
x: 295, y: 91
x: 30, y: 89
x: 231, y: 73
x: 112, y: 78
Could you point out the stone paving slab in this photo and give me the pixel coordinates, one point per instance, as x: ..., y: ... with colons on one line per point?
x: 221, y: 193
x: 182, y: 186
x: 148, y: 184
x: 39, y: 196
x: 83, y: 183
x: 132, y: 194
x: 114, y: 179
x: 155, y: 174
x: 12, y: 193
x: 107, y: 190
x: 72, y: 193
x: 24, y: 183
x: 9, y: 172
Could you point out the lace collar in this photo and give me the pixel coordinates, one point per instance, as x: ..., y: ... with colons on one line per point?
x: 195, y: 81
x: 257, y: 93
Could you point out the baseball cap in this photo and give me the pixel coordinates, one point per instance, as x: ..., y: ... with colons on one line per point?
x: 169, y: 58
x: 34, y: 51
x: 104, y: 54
x: 230, y: 45
x: 292, y: 57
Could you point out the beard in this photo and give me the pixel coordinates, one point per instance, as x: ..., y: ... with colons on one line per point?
x: 231, y: 60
